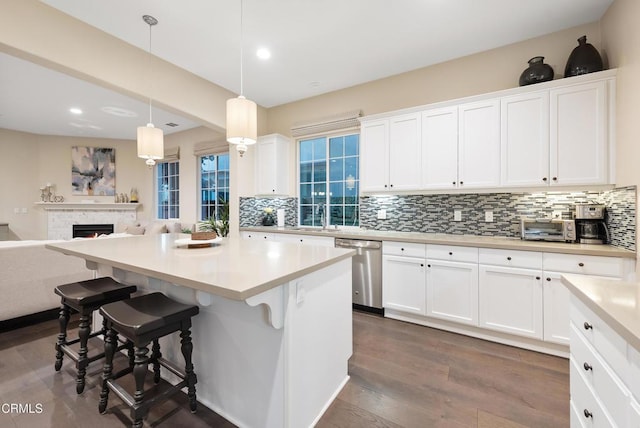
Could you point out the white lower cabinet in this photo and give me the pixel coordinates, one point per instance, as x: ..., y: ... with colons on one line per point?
x: 452, y: 285
x: 600, y: 380
x: 323, y: 241
x: 258, y: 236
x: 511, y: 300
x: 403, y: 283
x: 556, y: 309
x: 403, y: 277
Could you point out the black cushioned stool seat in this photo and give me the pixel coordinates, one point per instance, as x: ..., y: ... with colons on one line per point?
x: 85, y: 297
x: 142, y: 320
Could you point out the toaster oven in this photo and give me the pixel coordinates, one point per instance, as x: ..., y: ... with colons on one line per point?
x: 547, y: 229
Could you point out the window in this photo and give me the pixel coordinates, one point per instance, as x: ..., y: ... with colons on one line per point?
x: 329, y: 177
x: 214, y: 185
x: 168, y: 189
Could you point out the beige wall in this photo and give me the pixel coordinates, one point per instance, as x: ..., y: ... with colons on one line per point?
x: 30, y: 161
x: 472, y: 75
x: 621, y: 47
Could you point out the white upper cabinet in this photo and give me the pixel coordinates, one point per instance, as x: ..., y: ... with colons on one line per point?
x: 479, y: 144
x: 391, y: 154
x: 374, y: 156
x: 405, y: 152
x: 525, y: 139
x: 556, y: 134
x: 578, y: 138
x: 272, y: 165
x: 440, y: 148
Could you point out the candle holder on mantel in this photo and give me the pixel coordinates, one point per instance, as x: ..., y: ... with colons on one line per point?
x: 47, y: 194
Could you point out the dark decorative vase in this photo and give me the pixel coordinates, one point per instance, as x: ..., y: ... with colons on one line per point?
x: 268, y: 220
x: 583, y: 59
x: 537, y: 72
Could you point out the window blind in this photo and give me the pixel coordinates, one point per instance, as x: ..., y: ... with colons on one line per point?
x: 332, y: 123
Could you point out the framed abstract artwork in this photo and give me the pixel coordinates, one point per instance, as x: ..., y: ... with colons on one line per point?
x: 93, y: 171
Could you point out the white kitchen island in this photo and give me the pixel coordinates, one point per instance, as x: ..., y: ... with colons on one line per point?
x: 274, y: 333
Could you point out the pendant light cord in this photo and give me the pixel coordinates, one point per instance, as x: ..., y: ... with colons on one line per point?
x: 151, y: 21
x: 149, y: 69
x: 241, y: 48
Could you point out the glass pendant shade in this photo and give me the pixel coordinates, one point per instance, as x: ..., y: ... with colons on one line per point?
x: 242, y: 127
x: 150, y: 143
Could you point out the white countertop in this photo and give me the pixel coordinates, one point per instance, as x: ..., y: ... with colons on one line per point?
x: 498, y: 242
x: 236, y: 268
x: 616, y: 302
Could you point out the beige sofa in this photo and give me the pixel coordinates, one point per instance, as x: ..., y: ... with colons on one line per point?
x: 29, y: 273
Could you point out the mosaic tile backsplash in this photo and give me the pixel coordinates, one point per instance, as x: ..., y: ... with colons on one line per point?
x: 252, y: 210
x: 434, y: 213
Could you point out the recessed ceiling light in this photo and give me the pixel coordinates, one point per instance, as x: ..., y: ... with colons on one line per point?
x: 263, y: 53
x: 75, y: 110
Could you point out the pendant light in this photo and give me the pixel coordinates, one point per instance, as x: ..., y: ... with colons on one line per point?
x: 241, y: 113
x: 150, y: 139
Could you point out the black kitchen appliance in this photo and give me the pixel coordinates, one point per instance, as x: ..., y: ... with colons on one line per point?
x: 590, y: 225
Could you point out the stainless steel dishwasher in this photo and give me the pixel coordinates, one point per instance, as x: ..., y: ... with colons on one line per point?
x: 366, y: 273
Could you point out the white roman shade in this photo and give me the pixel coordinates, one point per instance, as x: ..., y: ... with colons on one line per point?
x: 346, y: 120
x: 171, y: 154
x: 211, y: 148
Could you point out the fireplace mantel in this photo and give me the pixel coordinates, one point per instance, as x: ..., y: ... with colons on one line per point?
x: 99, y: 206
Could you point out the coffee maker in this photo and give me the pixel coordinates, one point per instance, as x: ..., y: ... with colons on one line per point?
x: 590, y: 224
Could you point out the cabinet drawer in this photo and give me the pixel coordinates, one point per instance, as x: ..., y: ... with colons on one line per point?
x: 633, y: 381
x: 452, y: 253
x: 610, y: 390
x: 511, y: 258
x: 589, y: 411
x: 604, y: 340
x: 587, y: 265
x: 404, y: 249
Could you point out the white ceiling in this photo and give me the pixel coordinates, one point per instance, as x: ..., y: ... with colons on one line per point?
x: 317, y: 46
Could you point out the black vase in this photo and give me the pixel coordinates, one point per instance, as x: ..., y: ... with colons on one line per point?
x: 268, y: 220
x: 583, y: 59
x: 537, y: 72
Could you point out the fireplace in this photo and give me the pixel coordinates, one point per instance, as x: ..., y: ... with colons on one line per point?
x: 91, y: 230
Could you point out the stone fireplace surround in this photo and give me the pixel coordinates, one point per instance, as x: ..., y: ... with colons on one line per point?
x: 62, y: 216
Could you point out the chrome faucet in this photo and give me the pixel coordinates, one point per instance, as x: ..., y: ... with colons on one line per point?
x: 323, y: 215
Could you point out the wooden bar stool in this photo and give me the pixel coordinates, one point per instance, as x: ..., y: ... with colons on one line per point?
x: 143, y: 320
x: 85, y: 297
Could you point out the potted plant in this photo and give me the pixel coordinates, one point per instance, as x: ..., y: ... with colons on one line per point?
x: 218, y: 225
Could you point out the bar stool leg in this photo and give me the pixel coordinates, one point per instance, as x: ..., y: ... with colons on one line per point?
x: 83, y: 361
x: 155, y: 355
x: 130, y: 353
x: 63, y: 320
x: 187, y: 349
x: 139, y: 373
x: 110, y: 342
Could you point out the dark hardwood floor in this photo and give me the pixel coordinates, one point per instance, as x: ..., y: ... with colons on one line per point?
x: 402, y: 375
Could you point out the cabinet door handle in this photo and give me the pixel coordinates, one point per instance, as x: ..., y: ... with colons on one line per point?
x: 428, y: 265
x: 450, y: 253
x: 421, y: 264
x: 555, y: 178
x: 548, y: 279
x: 461, y: 183
x: 587, y: 414
x: 587, y: 326
x: 509, y: 258
x: 385, y: 186
x: 453, y: 182
x: 537, y: 277
x: 401, y: 249
x: 587, y: 366
x: 544, y: 178
x: 391, y: 185
x: 581, y: 264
